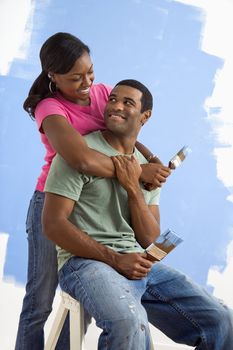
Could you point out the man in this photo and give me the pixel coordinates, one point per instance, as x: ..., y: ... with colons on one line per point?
x: 103, y: 226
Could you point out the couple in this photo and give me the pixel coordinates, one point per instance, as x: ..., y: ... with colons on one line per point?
x: 102, y: 226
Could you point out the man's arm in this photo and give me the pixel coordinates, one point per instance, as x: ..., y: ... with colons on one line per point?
x: 145, y: 219
x: 56, y: 225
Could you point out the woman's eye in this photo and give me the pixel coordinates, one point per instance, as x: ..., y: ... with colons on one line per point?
x: 76, y: 79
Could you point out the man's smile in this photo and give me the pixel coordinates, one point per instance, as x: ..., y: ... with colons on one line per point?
x: 116, y: 116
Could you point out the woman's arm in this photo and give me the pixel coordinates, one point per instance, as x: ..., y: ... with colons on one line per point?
x: 155, y: 173
x: 148, y: 154
x: 68, y: 142
x: 72, y: 146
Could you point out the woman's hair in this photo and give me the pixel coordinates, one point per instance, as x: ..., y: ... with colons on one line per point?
x: 147, y: 99
x: 57, y: 55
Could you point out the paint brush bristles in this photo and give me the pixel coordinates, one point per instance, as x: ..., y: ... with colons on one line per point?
x: 179, y: 157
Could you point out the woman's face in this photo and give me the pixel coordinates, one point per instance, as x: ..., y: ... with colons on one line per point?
x: 75, y: 85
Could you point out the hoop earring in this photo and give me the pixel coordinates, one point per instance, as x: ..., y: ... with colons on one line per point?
x: 50, y: 87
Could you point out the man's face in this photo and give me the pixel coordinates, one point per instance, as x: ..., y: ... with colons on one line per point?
x: 122, y: 113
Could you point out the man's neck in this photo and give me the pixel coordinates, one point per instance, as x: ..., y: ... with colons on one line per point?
x: 123, y: 144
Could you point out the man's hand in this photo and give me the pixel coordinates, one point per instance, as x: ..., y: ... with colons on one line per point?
x: 133, y: 266
x: 128, y: 171
x: 154, y: 175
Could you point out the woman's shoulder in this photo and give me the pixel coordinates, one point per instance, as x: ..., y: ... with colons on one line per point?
x: 49, y: 106
x: 49, y: 101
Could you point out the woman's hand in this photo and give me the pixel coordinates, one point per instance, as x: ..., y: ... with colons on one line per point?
x: 154, y: 175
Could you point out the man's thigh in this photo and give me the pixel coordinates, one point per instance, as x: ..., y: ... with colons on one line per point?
x: 103, y: 292
x: 179, y: 307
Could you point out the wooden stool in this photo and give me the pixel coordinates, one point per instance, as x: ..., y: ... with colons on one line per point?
x: 76, y: 323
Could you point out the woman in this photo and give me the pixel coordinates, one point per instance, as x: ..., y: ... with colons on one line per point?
x: 65, y: 104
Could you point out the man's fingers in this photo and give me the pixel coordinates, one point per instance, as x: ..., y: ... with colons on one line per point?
x: 144, y: 262
x: 116, y: 162
x: 138, y: 276
x: 120, y: 160
x: 140, y: 272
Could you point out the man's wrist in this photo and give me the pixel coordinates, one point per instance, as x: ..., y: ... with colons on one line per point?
x: 134, y: 191
x: 113, y: 259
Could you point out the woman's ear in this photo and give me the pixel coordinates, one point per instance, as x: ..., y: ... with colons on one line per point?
x: 51, y: 76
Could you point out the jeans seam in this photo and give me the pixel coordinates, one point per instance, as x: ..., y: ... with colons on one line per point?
x: 182, y: 312
x: 31, y: 307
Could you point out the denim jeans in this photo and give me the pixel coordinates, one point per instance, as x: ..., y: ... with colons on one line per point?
x: 41, y: 284
x: 166, y: 298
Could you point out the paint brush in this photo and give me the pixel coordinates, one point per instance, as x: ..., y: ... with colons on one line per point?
x: 179, y: 157
x: 165, y: 243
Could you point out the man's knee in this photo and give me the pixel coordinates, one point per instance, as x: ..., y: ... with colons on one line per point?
x: 132, y: 325
x: 222, y: 322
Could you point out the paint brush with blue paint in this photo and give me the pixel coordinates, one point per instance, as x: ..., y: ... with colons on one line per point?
x: 179, y: 157
x: 163, y: 245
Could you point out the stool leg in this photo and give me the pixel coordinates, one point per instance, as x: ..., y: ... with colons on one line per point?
x: 151, y: 343
x: 76, y: 328
x: 56, y: 328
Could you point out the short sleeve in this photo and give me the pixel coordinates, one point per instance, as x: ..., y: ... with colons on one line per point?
x: 64, y: 180
x: 154, y: 197
x: 46, y: 107
x: 107, y: 89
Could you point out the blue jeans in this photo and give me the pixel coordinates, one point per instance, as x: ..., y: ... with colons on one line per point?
x: 41, y: 285
x: 166, y: 298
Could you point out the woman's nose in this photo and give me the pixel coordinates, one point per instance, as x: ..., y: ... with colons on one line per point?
x: 86, y: 80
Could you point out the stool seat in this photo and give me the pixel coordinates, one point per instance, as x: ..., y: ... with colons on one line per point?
x: 76, y: 323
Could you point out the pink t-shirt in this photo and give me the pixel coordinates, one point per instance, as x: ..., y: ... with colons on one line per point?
x: 84, y: 119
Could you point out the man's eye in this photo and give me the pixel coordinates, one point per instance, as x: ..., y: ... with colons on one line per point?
x: 112, y: 99
x: 128, y: 103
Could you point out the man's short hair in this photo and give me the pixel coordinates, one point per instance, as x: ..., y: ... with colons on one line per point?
x: 146, y: 100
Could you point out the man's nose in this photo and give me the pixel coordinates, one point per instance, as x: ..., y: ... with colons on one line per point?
x: 118, y: 106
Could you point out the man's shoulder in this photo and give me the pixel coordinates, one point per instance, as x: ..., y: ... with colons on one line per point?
x: 93, y: 137
x: 140, y: 157
x: 96, y: 141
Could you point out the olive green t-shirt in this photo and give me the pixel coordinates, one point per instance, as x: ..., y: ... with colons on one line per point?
x: 101, y: 205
